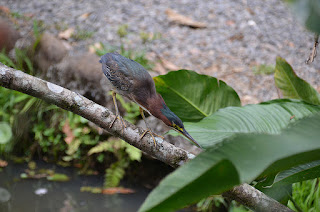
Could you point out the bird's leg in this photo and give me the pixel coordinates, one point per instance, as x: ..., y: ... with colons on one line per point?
x: 114, y: 94
x: 148, y: 129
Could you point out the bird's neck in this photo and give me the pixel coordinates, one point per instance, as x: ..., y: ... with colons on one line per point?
x: 156, y: 106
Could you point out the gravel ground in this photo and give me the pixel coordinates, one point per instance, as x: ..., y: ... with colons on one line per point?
x: 240, y: 35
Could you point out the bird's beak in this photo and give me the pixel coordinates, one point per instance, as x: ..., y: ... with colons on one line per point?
x: 186, y: 134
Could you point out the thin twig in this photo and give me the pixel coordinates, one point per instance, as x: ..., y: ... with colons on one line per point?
x: 313, y: 54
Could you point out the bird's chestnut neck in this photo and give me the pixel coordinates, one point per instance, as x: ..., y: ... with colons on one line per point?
x: 158, y: 108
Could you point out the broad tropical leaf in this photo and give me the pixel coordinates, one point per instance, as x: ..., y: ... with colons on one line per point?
x: 292, y: 86
x: 194, y: 96
x: 186, y: 186
x: 279, y: 186
x: 299, y: 173
x: 250, y: 155
x: 268, y: 117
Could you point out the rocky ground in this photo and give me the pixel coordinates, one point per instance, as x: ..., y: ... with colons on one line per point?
x: 239, y: 35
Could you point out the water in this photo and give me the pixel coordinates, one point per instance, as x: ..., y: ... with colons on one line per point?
x: 62, y: 196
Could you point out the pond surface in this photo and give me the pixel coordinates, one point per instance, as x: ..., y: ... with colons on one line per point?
x: 62, y: 196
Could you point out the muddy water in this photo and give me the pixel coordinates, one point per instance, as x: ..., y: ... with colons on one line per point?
x: 30, y: 195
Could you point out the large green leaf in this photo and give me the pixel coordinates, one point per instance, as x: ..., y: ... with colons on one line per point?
x: 183, y: 186
x: 298, y: 173
x: 292, y: 86
x: 268, y: 117
x: 5, y: 132
x: 194, y: 96
x: 279, y: 186
x: 251, y: 155
x: 308, y: 11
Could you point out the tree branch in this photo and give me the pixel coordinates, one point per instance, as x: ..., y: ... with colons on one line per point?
x: 101, y: 116
x: 255, y: 199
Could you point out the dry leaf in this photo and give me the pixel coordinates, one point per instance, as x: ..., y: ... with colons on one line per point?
x: 85, y: 15
x: 230, y: 22
x: 4, y: 9
x: 66, y: 129
x: 117, y: 190
x: 3, y: 163
x: 238, y: 37
x: 184, y: 20
x: 169, y: 65
x: 93, y: 48
x: 66, y: 34
x: 164, y: 65
x: 159, y: 68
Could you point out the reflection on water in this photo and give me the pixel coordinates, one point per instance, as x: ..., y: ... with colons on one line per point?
x: 46, y: 196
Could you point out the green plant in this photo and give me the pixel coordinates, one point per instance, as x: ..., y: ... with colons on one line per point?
x: 274, y: 143
x: 305, y: 196
x: 263, y: 69
x: 132, y: 110
x: 13, y: 103
x: 22, y: 61
x: 210, y: 203
x: 5, y: 135
x: 124, y: 152
x: 146, y: 37
x: 81, y: 34
x: 123, y: 31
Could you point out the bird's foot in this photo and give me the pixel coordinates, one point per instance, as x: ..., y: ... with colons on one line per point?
x: 152, y: 135
x: 123, y: 124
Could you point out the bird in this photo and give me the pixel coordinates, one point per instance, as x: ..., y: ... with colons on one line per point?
x: 130, y: 79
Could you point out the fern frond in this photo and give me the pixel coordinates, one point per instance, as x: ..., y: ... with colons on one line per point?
x: 115, y: 173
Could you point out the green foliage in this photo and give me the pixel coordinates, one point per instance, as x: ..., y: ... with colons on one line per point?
x: 81, y: 34
x: 5, y: 133
x: 194, y: 96
x: 13, y: 103
x: 22, y: 61
x: 236, y: 160
x: 146, y: 37
x: 263, y: 69
x: 123, y: 30
x: 210, y: 204
x: 292, y: 86
x: 16, y: 15
x: 124, y: 152
x: 268, y: 117
x: 296, y: 174
x: 105, y: 146
x: 58, y: 177
x: 132, y: 110
x: 305, y: 196
x: 115, y: 173
x: 279, y: 187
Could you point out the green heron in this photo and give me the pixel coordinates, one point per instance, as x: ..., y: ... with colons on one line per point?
x: 131, y: 80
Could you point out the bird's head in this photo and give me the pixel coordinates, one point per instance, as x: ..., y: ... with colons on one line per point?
x: 172, y: 120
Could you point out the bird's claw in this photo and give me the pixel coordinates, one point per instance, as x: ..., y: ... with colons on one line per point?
x: 123, y: 124
x: 152, y: 135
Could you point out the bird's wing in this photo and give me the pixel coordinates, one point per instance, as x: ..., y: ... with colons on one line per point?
x: 115, y: 68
